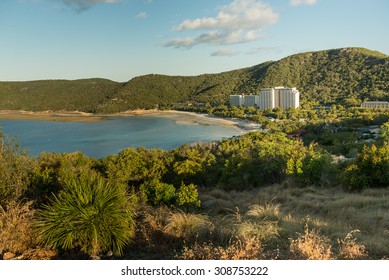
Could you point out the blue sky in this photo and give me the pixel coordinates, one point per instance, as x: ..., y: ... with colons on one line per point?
x: 121, y: 39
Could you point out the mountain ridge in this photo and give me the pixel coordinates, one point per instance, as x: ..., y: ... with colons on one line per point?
x: 345, y: 75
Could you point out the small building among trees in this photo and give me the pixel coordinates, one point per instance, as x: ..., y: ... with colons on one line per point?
x: 375, y: 104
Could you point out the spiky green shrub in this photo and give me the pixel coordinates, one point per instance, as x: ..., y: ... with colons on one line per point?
x: 89, y: 215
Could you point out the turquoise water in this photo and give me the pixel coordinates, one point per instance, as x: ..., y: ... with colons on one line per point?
x: 100, y: 139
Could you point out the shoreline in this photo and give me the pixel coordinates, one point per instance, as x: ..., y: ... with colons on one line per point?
x: 57, y: 116
x: 179, y: 117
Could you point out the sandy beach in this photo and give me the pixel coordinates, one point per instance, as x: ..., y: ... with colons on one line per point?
x: 191, y: 118
x: 180, y: 117
x: 50, y: 116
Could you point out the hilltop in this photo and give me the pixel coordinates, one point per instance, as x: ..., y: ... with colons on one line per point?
x: 346, y: 76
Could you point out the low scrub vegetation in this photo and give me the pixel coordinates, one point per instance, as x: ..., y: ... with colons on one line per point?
x: 262, y: 195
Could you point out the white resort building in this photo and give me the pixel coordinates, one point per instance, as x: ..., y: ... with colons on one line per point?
x: 236, y: 100
x: 375, y: 104
x: 250, y: 100
x: 269, y: 98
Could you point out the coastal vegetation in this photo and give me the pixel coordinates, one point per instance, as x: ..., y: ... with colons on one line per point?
x: 340, y: 76
x: 267, y: 194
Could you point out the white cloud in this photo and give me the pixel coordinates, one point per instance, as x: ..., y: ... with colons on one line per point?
x: 265, y: 49
x: 224, y: 52
x: 82, y: 5
x: 237, y: 22
x: 142, y: 15
x: 214, y: 37
x: 302, y: 2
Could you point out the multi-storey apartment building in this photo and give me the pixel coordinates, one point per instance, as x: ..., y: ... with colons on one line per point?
x: 287, y: 97
x: 266, y: 99
x: 236, y: 100
x: 269, y: 98
x: 250, y: 100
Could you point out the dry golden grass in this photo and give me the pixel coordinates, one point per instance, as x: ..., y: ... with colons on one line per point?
x: 311, y: 246
x: 162, y: 230
x: 151, y: 237
x: 16, y: 237
x: 260, y: 221
x: 189, y: 226
x: 302, y: 223
x: 264, y: 230
x: 156, y: 218
x: 238, y: 249
x: 349, y: 249
x: 15, y: 228
x: 269, y: 211
x: 266, y: 223
x: 334, y: 211
x: 38, y: 254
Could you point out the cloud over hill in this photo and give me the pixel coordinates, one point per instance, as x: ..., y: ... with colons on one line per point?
x: 237, y: 22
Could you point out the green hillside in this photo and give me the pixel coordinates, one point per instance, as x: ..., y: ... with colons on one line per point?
x: 82, y: 95
x: 152, y: 90
x: 345, y: 76
x: 333, y: 75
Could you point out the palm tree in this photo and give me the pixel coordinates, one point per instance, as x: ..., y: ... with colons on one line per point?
x: 89, y: 214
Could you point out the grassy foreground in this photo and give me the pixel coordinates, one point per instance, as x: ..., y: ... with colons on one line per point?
x: 274, y: 222
x: 259, y: 196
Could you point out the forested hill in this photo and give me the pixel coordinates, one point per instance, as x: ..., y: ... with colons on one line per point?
x: 83, y: 95
x: 345, y: 76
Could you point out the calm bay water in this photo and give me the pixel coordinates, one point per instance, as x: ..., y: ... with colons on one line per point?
x: 99, y: 139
